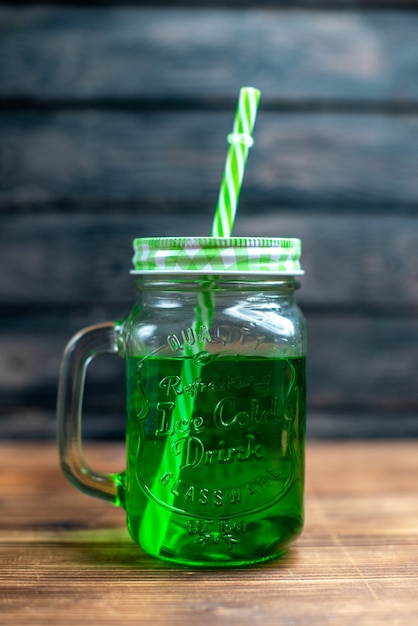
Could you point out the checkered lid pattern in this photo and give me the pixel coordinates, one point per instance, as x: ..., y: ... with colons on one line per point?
x: 213, y: 255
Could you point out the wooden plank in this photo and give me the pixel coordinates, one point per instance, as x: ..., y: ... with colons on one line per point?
x: 362, y: 361
x: 35, y: 423
x: 66, y: 557
x: 123, y: 53
x: 347, y: 425
x: 351, y: 261
x: 334, y: 161
x: 311, y: 5
x: 361, y: 373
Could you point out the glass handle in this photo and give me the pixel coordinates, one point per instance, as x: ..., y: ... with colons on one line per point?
x: 82, y: 348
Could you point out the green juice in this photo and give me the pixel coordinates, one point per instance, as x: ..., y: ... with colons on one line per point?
x: 215, y: 465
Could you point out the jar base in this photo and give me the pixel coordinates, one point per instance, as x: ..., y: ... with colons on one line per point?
x: 220, y: 564
x: 258, y: 543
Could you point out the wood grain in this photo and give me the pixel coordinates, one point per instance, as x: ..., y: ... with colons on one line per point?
x: 314, y: 5
x: 176, y: 53
x: 85, y: 259
x: 113, y: 118
x: 66, y: 557
x: 324, y: 160
x: 360, y: 369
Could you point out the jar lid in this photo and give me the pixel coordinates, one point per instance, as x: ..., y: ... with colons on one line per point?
x: 217, y: 255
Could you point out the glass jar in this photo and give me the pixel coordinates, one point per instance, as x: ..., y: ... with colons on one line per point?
x: 215, y: 370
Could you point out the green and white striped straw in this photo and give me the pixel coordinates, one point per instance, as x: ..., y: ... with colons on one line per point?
x: 155, y: 520
x: 240, y: 140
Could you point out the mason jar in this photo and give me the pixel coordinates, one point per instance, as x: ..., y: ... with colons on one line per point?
x: 215, y: 350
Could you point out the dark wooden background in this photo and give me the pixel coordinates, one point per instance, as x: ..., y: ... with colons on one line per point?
x: 113, y: 119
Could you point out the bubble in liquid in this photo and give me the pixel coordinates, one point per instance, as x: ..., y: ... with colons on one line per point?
x: 202, y: 358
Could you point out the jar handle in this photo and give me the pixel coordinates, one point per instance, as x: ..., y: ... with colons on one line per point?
x: 81, y: 349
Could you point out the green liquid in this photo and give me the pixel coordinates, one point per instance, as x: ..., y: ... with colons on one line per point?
x: 215, y: 466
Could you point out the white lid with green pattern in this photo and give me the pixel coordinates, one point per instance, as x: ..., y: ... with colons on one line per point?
x: 217, y: 255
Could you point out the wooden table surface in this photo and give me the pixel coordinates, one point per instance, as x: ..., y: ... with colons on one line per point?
x: 66, y: 558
